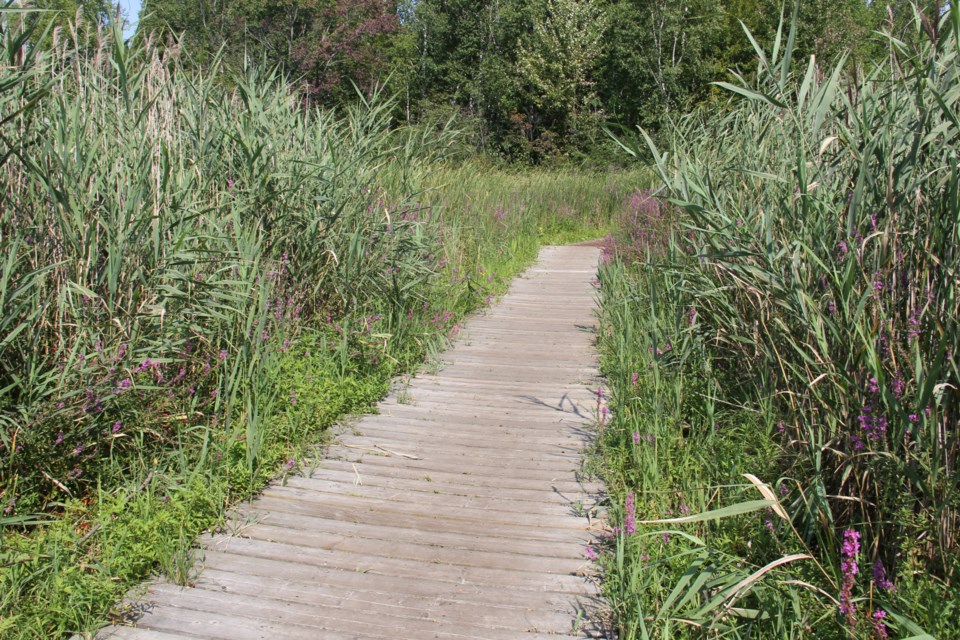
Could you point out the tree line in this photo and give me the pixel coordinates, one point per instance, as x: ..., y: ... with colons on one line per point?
x: 531, y: 80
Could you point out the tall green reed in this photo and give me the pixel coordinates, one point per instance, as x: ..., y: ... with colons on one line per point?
x: 816, y: 254
x: 165, y: 236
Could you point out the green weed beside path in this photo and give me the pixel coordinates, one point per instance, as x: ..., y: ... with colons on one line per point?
x: 780, y: 329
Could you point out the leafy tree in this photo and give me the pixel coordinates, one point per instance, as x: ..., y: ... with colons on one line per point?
x: 660, y: 57
x: 84, y: 15
x: 466, y: 55
x: 324, y: 44
x: 557, y: 61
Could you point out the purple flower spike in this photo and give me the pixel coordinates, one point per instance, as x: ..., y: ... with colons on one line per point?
x: 630, y: 515
x: 842, y: 250
x: 879, y: 628
x: 849, y: 568
x: 880, y: 577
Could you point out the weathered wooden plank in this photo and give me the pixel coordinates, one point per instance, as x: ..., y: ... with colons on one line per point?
x: 458, y: 477
x: 473, y: 541
x: 347, y: 478
x: 537, y: 405
x: 373, y: 518
x: 540, y: 473
x: 552, y: 456
x: 572, y: 439
x: 261, y: 618
x: 347, y: 582
x: 570, y: 561
x: 401, y: 567
x: 131, y: 633
x: 435, y: 498
x: 479, y: 511
x: 544, y: 421
x: 377, y: 601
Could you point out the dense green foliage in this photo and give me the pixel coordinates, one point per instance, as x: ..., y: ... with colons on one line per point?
x: 787, y: 308
x: 535, y: 80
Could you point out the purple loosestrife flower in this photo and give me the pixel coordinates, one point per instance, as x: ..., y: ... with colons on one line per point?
x: 636, y: 437
x: 880, y: 577
x: 849, y: 568
x: 117, y: 426
x: 591, y: 553
x: 634, y: 378
x: 630, y: 515
x: 842, y: 250
x: 59, y: 438
x: 879, y: 628
x: 872, y: 422
x: 913, y: 329
x: 223, y: 354
x: 898, y: 385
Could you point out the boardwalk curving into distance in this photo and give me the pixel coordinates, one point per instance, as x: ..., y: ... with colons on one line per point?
x: 454, y: 513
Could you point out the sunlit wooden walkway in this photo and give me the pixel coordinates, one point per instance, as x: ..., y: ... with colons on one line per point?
x: 455, y: 513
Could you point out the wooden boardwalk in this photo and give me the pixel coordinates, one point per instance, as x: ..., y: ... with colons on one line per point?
x: 454, y: 513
